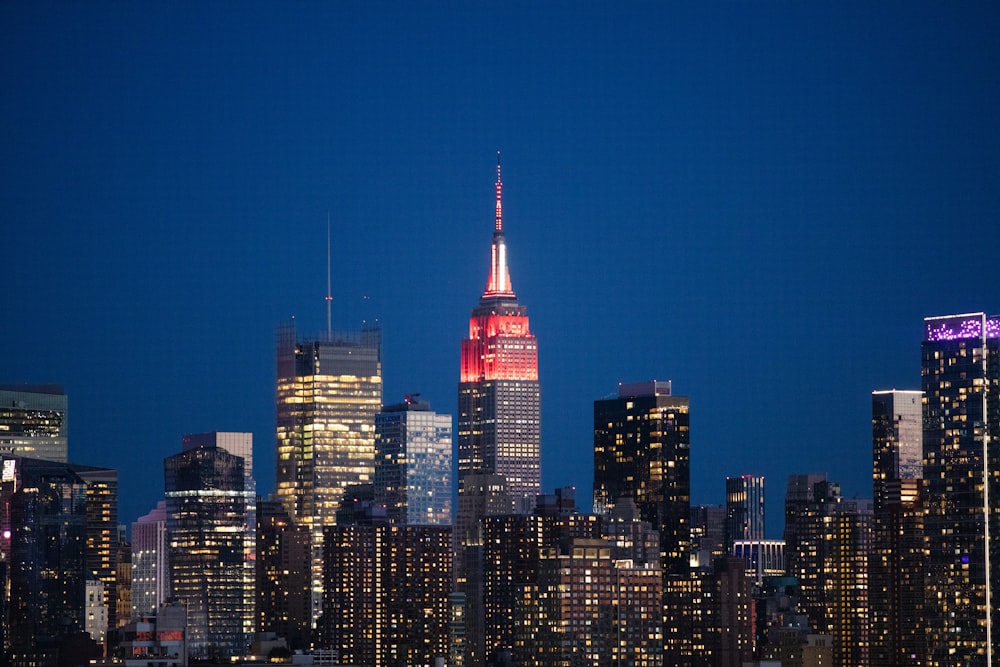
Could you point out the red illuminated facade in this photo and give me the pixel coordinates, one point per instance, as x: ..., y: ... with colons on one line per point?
x: 498, y: 393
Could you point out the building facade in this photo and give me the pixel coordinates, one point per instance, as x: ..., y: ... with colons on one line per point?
x: 44, y: 523
x: 388, y: 593
x: 206, y: 517
x: 150, y: 558
x: 328, y: 393
x: 642, y: 452
x: 898, y: 562
x: 34, y: 421
x: 241, y: 445
x: 744, y: 509
x: 283, y: 575
x: 102, y: 532
x: 960, y: 379
x: 413, y: 463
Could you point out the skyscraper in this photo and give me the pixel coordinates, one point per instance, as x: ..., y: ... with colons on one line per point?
x: 33, y: 421
x: 897, y: 562
x: 499, y: 436
x: 102, y: 531
x: 642, y: 452
x: 241, y: 445
x: 960, y: 373
x: 150, y: 570
x: 413, y: 463
x: 744, y: 509
x: 44, y: 526
x: 498, y: 393
x: 206, y: 517
x: 328, y: 393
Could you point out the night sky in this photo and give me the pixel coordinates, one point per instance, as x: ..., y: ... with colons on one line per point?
x: 757, y: 201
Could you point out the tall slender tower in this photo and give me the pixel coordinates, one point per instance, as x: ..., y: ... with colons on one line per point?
x: 744, y: 509
x: 499, y: 443
x: 960, y: 377
x: 498, y: 394
x: 897, y: 563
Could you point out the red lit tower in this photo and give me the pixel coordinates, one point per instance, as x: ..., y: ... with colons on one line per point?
x: 498, y: 394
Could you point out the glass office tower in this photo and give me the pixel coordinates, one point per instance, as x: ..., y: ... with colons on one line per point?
x: 328, y: 392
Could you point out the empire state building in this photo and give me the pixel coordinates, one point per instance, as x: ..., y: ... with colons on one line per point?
x: 498, y: 393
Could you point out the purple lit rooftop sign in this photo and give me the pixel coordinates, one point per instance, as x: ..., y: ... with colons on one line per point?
x: 961, y: 327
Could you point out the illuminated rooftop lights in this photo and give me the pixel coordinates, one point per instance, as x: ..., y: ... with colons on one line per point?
x: 961, y: 327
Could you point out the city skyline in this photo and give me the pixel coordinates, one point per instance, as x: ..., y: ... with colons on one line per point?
x: 759, y: 204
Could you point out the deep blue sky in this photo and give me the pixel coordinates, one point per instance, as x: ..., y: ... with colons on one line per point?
x: 758, y: 201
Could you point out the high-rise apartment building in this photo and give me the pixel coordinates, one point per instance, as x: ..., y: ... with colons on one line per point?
x: 498, y: 392
x: 33, y: 421
x: 283, y: 575
x: 413, y: 463
x: 642, y: 452
x: 960, y: 378
x: 328, y: 393
x: 206, y: 527
x: 521, y: 555
x: 102, y: 532
x: 150, y: 553
x: 897, y: 564
x: 744, y: 509
x: 388, y: 591
x: 833, y: 540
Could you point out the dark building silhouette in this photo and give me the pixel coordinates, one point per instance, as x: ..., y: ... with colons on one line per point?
x: 283, y: 575
x: 44, y: 525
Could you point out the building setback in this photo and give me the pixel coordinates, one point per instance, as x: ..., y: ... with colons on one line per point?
x: 499, y: 428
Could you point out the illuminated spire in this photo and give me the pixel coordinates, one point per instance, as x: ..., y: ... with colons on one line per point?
x: 499, y: 282
x: 499, y: 226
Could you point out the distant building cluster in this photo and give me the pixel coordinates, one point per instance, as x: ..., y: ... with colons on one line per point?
x: 368, y: 552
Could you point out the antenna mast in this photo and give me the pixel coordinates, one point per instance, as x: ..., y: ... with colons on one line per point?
x: 329, y: 297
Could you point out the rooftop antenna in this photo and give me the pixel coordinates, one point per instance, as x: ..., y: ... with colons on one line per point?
x: 329, y: 297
